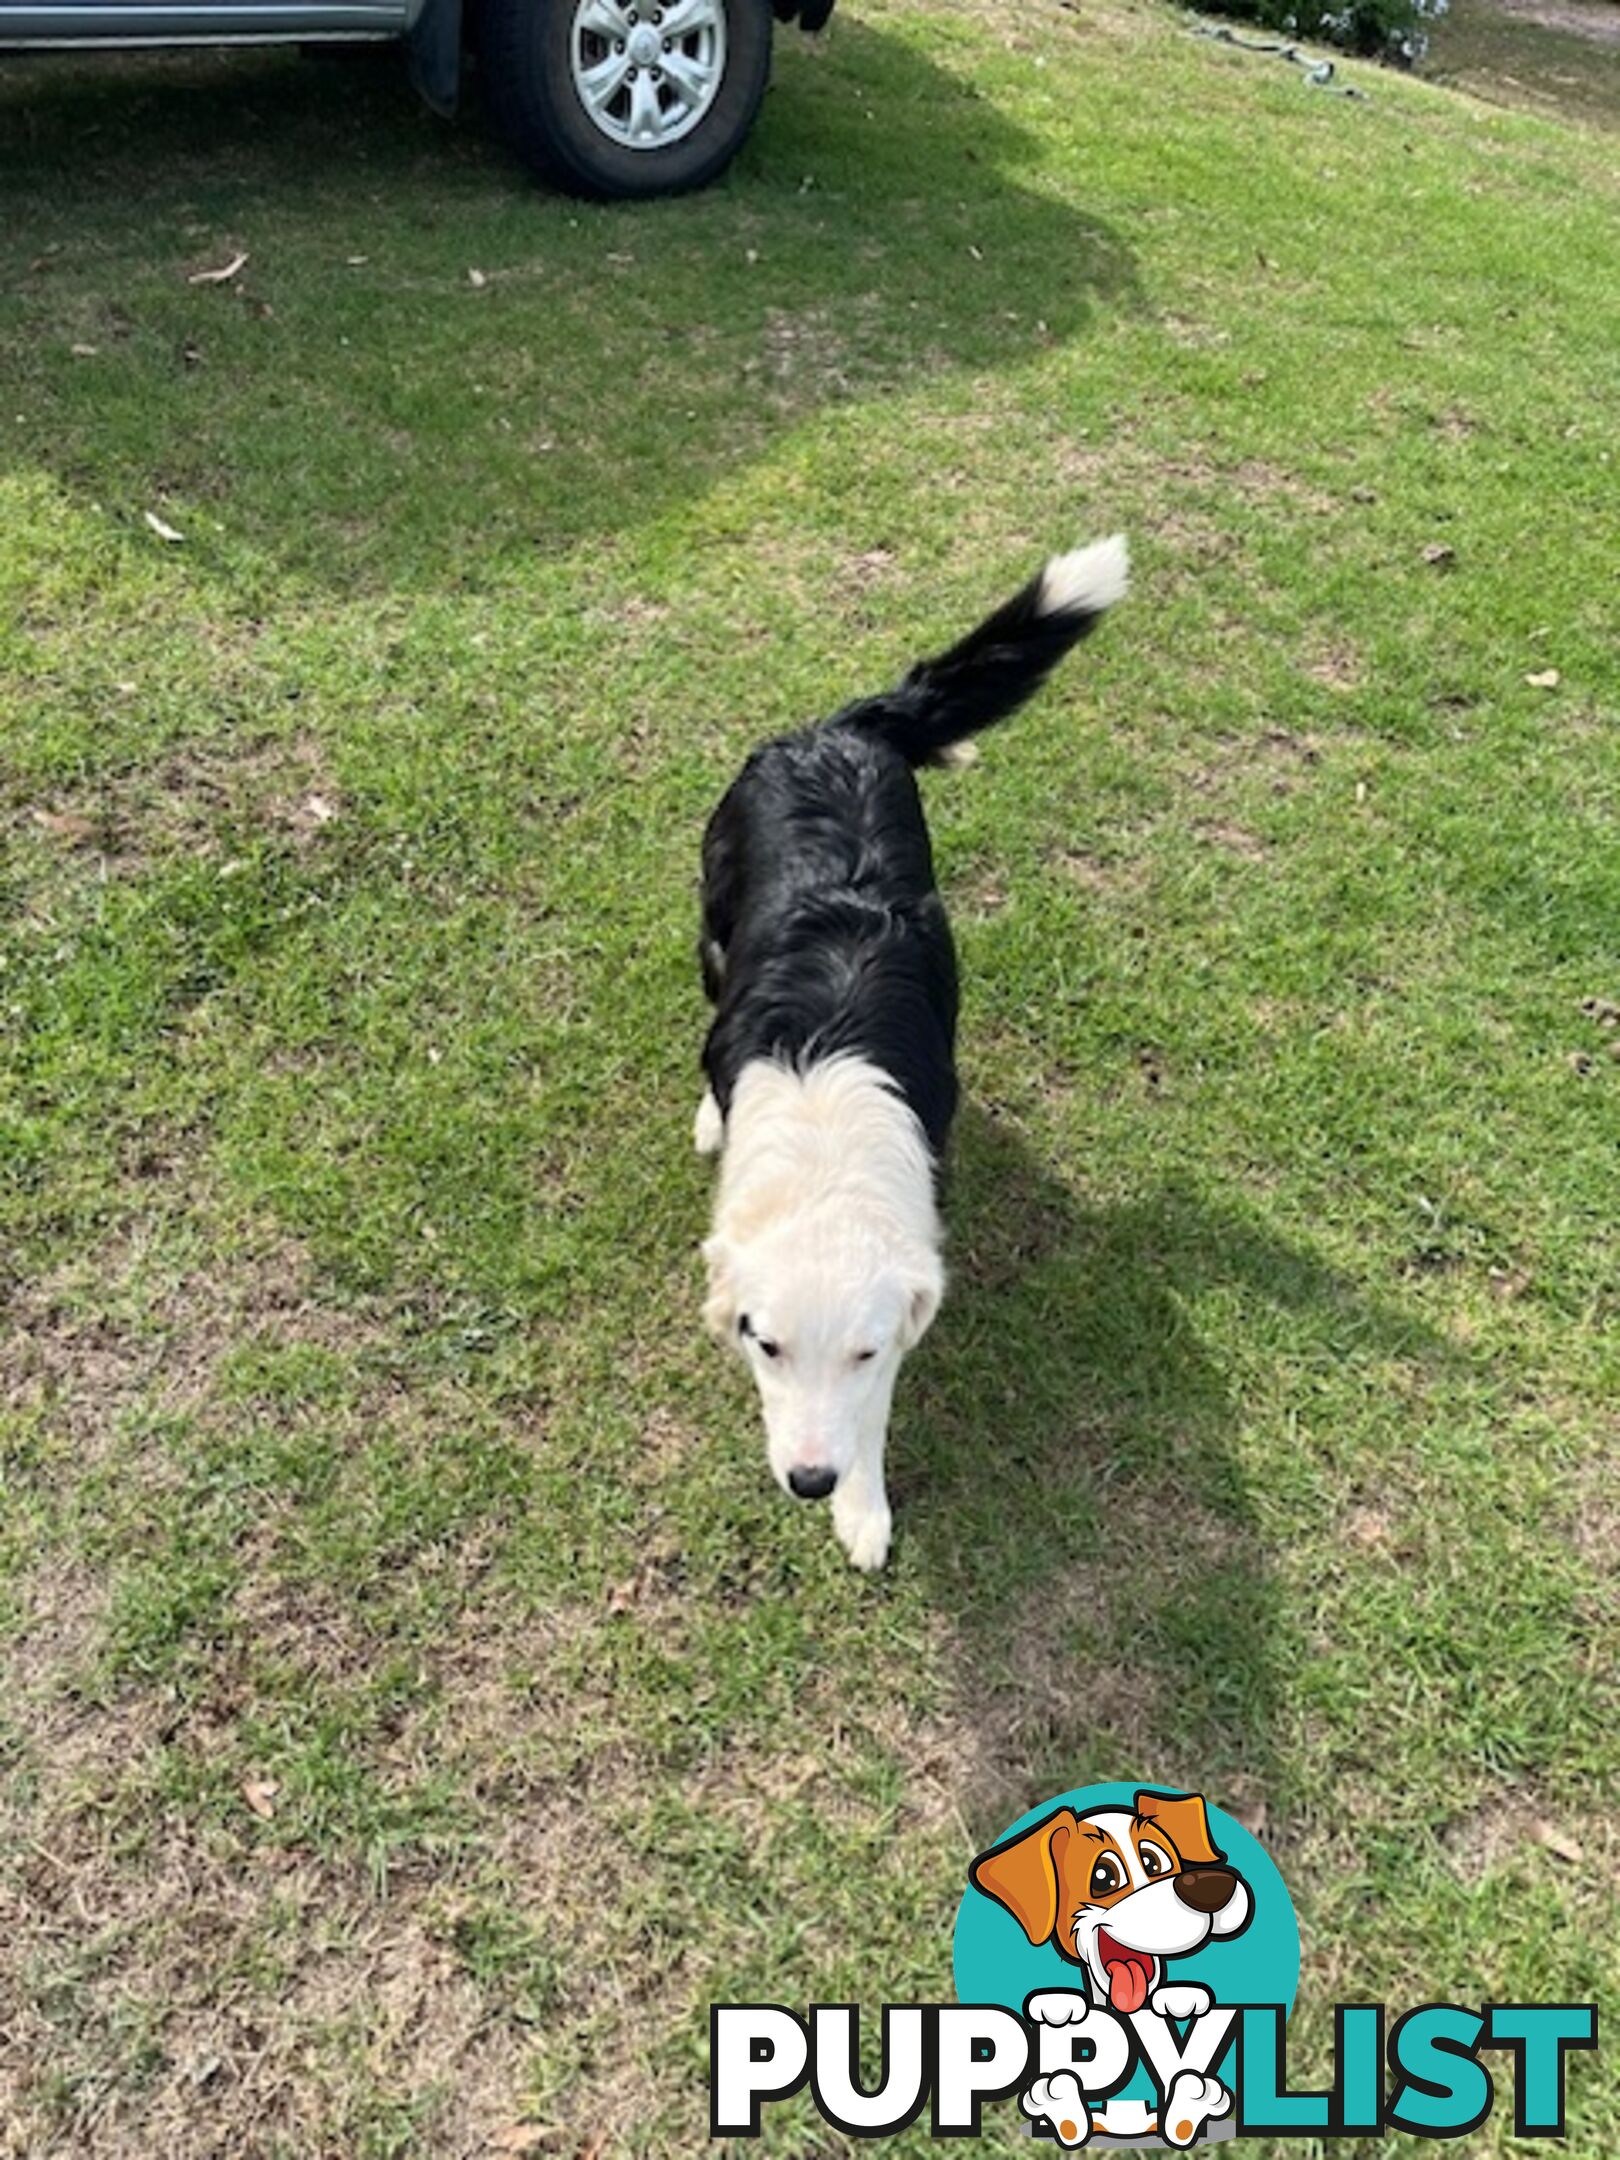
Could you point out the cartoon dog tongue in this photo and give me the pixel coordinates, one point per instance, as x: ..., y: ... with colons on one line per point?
x: 1128, y: 1975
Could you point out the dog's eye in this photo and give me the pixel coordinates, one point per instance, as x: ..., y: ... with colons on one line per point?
x: 1153, y: 1861
x: 865, y: 1357
x: 769, y: 1349
x: 1106, y: 1877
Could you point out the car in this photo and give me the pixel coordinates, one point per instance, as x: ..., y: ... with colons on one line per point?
x: 611, y: 98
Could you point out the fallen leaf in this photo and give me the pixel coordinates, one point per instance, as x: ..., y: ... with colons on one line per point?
x: 1439, y: 555
x: 1556, y: 1842
x: 1580, y: 1063
x: 1509, y: 1283
x: 260, y: 1795
x: 477, y: 279
x: 318, y: 810
x: 518, y: 2138
x: 65, y: 825
x: 1601, y: 1009
x: 1545, y: 679
x: 221, y: 276
x: 164, y: 532
x: 356, y: 262
x: 84, y: 352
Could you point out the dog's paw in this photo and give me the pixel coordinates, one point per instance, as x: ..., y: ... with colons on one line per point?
x: 1191, y: 2102
x: 1187, y: 2000
x: 1057, y: 2006
x: 1059, y: 2100
x: 708, y: 1127
x: 958, y: 755
x: 865, y: 1537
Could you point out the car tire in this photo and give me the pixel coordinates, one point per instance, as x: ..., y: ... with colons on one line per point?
x: 537, y: 58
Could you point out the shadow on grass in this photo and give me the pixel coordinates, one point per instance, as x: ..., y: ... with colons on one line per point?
x: 1068, y: 1461
x: 357, y: 407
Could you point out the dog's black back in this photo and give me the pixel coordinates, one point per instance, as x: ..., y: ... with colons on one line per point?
x: 823, y: 931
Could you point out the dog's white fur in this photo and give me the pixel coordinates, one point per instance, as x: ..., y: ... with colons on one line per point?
x: 827, y: 1238
x: 1087, y: 579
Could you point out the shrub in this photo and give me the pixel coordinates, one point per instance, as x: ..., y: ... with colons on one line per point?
x: 1392, y: 30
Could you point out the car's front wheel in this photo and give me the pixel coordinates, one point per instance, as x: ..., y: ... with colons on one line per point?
x: 626, y: 97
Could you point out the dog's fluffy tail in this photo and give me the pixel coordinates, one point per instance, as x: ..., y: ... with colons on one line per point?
x: 943, y: 702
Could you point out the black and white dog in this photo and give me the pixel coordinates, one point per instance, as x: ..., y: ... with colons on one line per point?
x: 827, y: 955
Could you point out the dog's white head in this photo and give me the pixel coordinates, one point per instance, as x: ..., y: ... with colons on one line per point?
x: 1120, y: 1890
x: 821, y: 1312
x: 824, y: 1267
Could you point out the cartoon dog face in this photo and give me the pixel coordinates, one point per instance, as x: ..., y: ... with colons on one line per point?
x: 1118, y: 1891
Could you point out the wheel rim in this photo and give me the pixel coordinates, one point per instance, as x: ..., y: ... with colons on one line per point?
x: 647, y: 72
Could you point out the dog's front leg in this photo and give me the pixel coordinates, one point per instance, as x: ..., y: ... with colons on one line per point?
x: 861, y: 1515
x: 708, y: 1127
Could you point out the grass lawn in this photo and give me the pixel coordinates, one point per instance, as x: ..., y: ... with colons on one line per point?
x: 418, y: 1704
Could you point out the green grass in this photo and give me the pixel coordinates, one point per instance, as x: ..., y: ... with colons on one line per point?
x: 359, y: 1436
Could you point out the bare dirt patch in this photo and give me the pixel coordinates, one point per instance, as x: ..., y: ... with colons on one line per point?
x: 1283, y: 758
x: 203, y: 803
x: 184, y: 1982
x: 1516, y: 1828
x: 1596, y: 20
x: 1106, y: 876
x: 1230, y: 839
x: 217, y: 1999
x: 807, y: 351
x: 1550, y: 55
x: 1337, y: 667
x: 107, y: 1330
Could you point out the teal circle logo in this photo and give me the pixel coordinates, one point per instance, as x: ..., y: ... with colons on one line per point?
x: 1144, y: 1902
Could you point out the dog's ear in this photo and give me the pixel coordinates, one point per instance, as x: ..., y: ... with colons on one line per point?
x: 924, y: 1285
x: 1185, y: 1822
x: 1023, y: 1874
x: 720, y: 1306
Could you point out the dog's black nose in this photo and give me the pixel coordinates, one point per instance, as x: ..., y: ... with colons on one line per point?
x: 1206, y: 1889
x: 812, y: 1484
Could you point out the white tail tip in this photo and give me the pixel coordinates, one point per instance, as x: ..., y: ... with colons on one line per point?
x: 1088, y: 580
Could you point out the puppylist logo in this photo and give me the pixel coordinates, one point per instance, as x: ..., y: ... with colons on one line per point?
x: 1125, y: 1963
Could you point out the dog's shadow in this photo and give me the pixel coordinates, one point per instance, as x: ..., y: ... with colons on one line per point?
x: 1068, y: 1460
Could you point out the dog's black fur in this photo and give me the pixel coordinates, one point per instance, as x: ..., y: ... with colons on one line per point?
x: 823, y: 930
